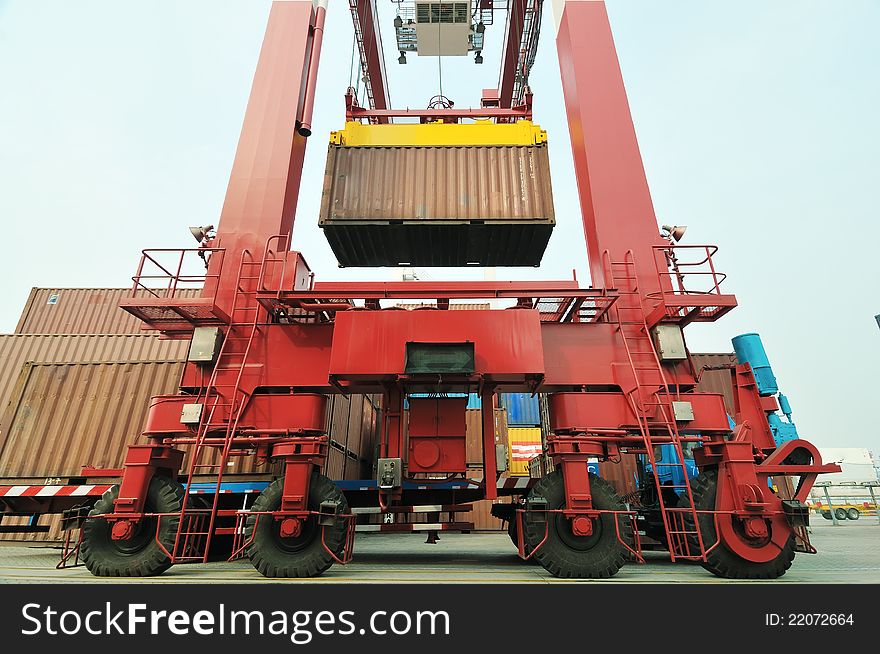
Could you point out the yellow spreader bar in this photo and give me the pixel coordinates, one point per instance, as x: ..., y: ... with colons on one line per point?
x: 480, y: 132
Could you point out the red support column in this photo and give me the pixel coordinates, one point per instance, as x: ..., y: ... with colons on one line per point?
x: 264, y: 183
x: 616, y: 205
x: 490, y: 467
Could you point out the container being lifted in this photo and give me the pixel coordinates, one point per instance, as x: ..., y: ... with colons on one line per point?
x: 438, y: 194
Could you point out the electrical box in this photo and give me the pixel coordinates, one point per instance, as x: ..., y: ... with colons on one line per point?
x: 389, y: 473
x: 683, y: 411
x: 501, y: 457
x: 669, y: 342
x: 191, y: 414
x: 205, y: 345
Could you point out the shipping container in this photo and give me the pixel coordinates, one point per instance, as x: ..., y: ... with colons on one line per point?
x: 18, y: 349
x: 524, y: 444
x: 716, y: 381
x: 481, y: 515
x: 523, y: 409
x: 64, y: 416
x: 81, y: 311
x: 437, y: 206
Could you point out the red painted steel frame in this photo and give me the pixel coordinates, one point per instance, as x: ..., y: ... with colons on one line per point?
x: 616, y: 204
x: 264, y: 184
x: 516, y: 10
x: 373, y: 68
x: 603, y: 399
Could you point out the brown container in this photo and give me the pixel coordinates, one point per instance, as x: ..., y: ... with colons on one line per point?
x: 17, y: 349
x: 64, y: 416
x: 623, y: 475
x: 716, y: 381
x: 437, y: 206
x: 80, y: 311
x: 482, y: 517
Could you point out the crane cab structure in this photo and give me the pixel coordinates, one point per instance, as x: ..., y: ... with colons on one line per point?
x: 271, y: 342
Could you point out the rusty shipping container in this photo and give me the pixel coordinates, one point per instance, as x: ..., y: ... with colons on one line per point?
x: 80, y: 311
x: 438, y: 206
x: 716, y: 381
x: 18, y: 349
x: 64, y: 416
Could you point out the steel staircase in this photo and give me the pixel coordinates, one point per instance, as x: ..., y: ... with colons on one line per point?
x: 652, y: 405
x: 224, y: 400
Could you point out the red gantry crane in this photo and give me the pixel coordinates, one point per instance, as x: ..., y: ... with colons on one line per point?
x: 269, y: 343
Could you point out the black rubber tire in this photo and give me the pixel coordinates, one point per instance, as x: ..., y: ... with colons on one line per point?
x: 304, y: 556
x: 721, y: 561
x: 140, y: 556
x: 511, y: 531
x: 853, y: 514
x: 598, y: 556
x: 840, y: 514
x: 826, y: 515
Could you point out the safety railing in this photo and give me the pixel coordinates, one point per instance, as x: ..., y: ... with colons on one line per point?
x: 170, y: 273
x: 690, y: 269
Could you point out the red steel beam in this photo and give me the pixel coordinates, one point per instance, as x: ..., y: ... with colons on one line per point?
x: 616, y: 206
x: 447, y: 289
x: 516, y: 11
x: 525, y: 112
x: 374, y: 65
x: 264, y: 184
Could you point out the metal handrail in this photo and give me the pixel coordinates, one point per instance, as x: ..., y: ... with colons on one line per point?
x: 176, y: 278
x: 682, y: 269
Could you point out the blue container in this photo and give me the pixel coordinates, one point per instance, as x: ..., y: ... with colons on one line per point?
x: 523, y: 409
x: 749, y: 349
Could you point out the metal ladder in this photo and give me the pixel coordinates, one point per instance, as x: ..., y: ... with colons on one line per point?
x: 648, y: 395
x: 196, y: 527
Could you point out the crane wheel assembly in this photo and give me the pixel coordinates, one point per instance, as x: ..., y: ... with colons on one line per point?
x: 143, y: 551
x: 305, y: 548
x: 550, y: 535
x: 722, y: 560
x: 446, y: 186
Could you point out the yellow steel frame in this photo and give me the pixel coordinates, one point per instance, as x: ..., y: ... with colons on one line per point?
x: 479, y: 132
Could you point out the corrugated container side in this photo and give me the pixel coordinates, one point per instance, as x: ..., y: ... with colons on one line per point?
x: 716, y: 381
x: 80, y: 311
x: 524, y: 444
x: 482, y: 517
x: 474, y: 434
x: 17, y: 349
x: 523, y: 409
x: 70, y: 415
x: 430, y: 183
x: 622, y: 475
x: 383, y: 206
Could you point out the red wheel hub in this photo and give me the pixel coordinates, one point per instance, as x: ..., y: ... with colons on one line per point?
x: 291, y: 527
x: 122, y: 530
x: 755, y: 527
x: 582, y: 526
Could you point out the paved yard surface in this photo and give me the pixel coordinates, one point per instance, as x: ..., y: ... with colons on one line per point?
x: 849, y: 553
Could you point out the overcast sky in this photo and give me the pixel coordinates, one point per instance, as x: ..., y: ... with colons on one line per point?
x: 757, y: 122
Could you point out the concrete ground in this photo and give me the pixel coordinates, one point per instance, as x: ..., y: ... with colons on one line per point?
x: 849, y: 553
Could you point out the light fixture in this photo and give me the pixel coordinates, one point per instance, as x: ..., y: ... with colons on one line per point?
x: 479, y: 58
x: 673, y: 233
x: 402, y: 58
x: 398, y: 22
x: 201, y: 233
